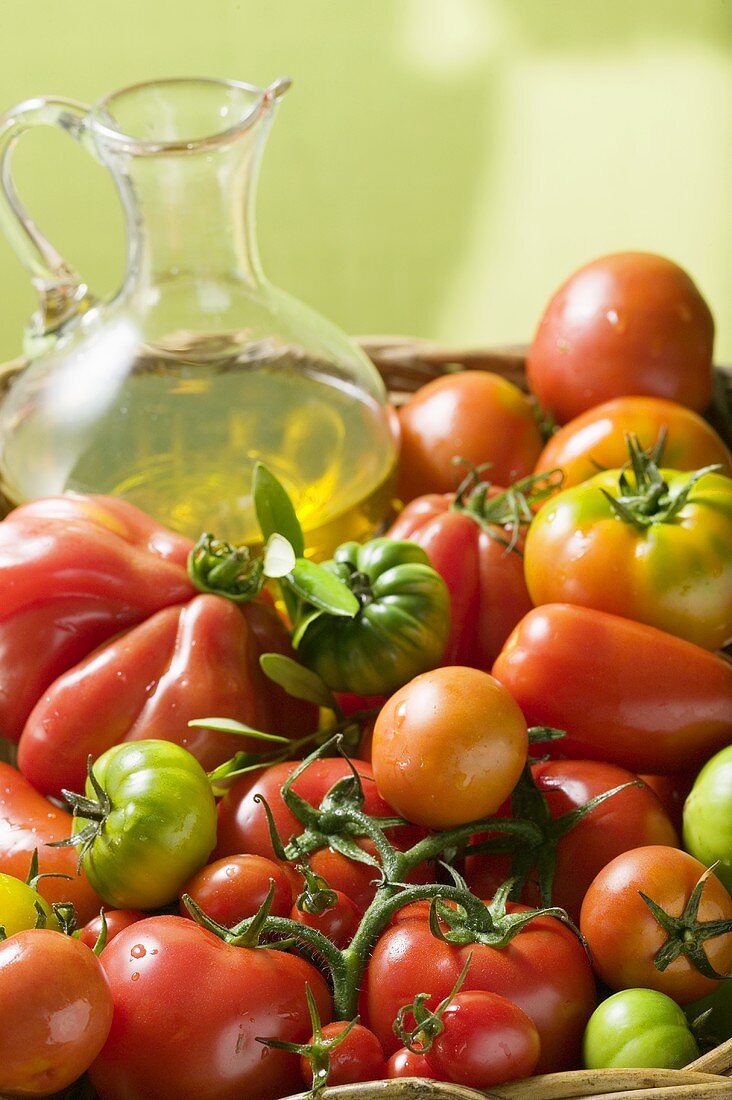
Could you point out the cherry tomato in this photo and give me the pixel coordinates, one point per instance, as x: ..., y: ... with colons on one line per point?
x: 628, y: 819
x: 475, y: 415
x: 544, y: 970
x: 486, y: 1040
x: 18, y: 907
x: 188, y: 1009
x: 116, y: 920
x: 625, y: 936
x: 637, y: 1028
x: 448, y: 747
x: 232, y: 888
x: 623, y: 692
x: 338, y: 922
x: 358, y: 1057
x: 595, y: 440
x: 55, y: 1011
x: 708, y: 816
x: 629, y: 323
x: 405, y: 1063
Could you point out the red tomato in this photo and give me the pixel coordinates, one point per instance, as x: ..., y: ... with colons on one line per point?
x: 29, y: 821
x: 488, y: 594
x: 629, y: 323
x: 595, y: 439
x: 629, y: 819
x: 116, y: 920
x: 338, y: 922
x: 358, y: 1057
x: 55, y: 1011
x: 448, y: 747
x: 625, y: 936
x: 486, y: 1040
x: 405, y: 1063
x: 474, y: 415
x: 544, y: 970
x: 671, y: 791
x: 624, y: 692
x: 232, y: 888
x: 188, y: 1009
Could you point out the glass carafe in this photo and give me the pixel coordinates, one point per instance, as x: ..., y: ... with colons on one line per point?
x: 198, y: 367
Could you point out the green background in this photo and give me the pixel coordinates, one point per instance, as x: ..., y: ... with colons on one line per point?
x: 439, y: 165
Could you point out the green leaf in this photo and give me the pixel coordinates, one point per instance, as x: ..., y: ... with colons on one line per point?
x: 230, y: 725
x: 303, y: 622
x: 231, y: 770
x: 279, y: 557
x: 317, y: 586
x: 275, y: 512
x: 300, y: 682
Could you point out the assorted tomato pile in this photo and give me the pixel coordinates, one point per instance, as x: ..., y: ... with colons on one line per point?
x: 456, y: 803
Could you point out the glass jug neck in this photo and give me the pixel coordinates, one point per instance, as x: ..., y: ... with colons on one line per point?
x: 191, y: 215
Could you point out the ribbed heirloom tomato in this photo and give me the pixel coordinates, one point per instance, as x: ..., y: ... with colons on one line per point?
x: 448, y: 747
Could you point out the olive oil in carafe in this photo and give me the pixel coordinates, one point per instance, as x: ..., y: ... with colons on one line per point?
x: 181, y: 443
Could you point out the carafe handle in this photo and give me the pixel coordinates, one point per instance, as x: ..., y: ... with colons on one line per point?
x: 62, y: 293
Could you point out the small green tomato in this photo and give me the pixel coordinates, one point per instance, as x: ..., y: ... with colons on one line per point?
x: 637, y: 1029
x: 708, y: 816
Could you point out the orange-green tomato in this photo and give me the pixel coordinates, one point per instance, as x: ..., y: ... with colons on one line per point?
x: 595, y: 440
x: 18, y: 903
x: 449, y: 747
x: 673, y: 572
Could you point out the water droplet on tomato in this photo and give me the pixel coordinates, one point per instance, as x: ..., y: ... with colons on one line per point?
x: 138, y: 951
x: 134, y: 976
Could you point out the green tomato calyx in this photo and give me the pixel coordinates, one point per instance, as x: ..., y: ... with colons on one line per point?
x: 94, y: 810
x: 504, y: 515
x: 686, y: 934
x: 644, y: 497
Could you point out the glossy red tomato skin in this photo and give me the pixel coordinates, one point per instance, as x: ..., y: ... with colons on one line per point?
x: 338, y: 922
x: 29, y: 821
x: 596, y: 438
x: 628, y: 323
x: 235, y: 887
x: 358, y: 1057
x: 475, y: 415
x: 624, y: 936
x: 217, y: 999
x: 658, y: 704
x: 116, y: 919
x: 544, y: 970
x: 488, y: 594
x: 405, y: 1063
x: 55, y: 1011
x: 487, y: 1040
x: 629, y: 819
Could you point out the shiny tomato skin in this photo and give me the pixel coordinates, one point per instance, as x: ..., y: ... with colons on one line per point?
x: 188, y: 1009
x: 595, y: 439
x: 674, y: 574
x: 488, y: 594
x: 544, y: 970
x: 358, y: 1057
x: 55, y: 1011
x: 232, y: 888
x: 658, y: 703
x: 116, y: 919
x: 405, y: 1063
x: 449, y: 747
x: 338, y: 922
x: 624, y: 936
x: 671, y: 791
x: 474, y: 415
x: 28, y: 821
x: 627, y: 323
x: 629, y: 819
x: 487, y: 1040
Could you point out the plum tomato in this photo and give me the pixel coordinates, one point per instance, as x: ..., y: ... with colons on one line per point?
x: 628, y: 323
x: 449, y: 747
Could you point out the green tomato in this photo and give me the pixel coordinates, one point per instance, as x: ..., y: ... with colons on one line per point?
x: 636, y: 1029
x: 147, y: 824
x: 18, y: 910
x: 708, y: 816
x: 400, y: 629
